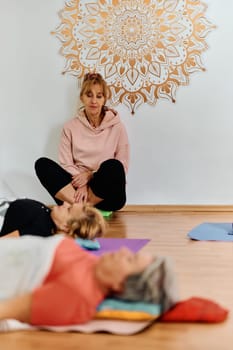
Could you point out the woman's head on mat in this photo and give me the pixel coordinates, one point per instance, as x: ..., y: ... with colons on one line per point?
x: 138, y: 277
x: 114, y: 268
x: 78, y: 220
x: 155, y: 284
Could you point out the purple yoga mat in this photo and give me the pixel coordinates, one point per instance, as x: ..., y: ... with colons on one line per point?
x: 113, y: 244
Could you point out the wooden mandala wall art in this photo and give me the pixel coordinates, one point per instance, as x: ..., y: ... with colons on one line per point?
x: 144, y: 49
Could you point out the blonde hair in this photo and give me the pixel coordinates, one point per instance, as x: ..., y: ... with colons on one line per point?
x: 89, y: 225
x: 92, y: 79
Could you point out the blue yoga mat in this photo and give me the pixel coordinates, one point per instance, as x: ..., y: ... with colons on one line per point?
x: 212, y: 232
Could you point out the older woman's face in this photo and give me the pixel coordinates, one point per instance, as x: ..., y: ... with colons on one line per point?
x: 113, y: 268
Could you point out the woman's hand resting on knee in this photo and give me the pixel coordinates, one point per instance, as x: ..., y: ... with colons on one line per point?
x: 82, y: 179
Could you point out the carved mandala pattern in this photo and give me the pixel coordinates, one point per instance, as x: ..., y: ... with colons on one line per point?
x: 144, y: 49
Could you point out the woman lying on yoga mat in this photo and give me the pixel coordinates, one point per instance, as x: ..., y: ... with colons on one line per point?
x: 93, y: 153
x: 52, y: 281
x: 30, y: 217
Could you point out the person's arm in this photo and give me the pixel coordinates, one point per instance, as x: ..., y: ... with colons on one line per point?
x: 122, y: 152
x: 11, y: 234
x: 23, y: 217
x: 17, y: 308
x: 16, y: 216
x: 66, y: 158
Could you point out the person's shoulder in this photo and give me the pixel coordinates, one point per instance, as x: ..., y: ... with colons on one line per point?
x: 26, y: 201
x: 25, y: 204
x: 111, y: 111
x: 71, y: 121
x: 111, y: 116
x: 114, y: 114
x: 77, y: 120
x: 113, y: 119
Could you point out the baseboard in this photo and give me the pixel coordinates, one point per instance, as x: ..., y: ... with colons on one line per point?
x: 157, y: 208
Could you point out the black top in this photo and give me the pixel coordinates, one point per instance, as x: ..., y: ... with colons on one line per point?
x: 29, y: 217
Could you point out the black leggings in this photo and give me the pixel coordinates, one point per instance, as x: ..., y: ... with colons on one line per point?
x: 108, y: 182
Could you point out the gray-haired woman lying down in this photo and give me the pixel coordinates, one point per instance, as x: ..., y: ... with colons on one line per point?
x: 52, y: 281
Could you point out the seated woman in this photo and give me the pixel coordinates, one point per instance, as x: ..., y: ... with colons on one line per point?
x: 30, y: 217
x: 93, y: 153
x: 65, y: 284
x: 105, y: 188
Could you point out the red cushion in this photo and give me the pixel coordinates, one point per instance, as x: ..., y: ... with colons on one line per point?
x: 195, y: 310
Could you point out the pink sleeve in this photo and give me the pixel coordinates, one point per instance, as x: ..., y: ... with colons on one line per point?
x: 122, y: 152
x: 65, y: 152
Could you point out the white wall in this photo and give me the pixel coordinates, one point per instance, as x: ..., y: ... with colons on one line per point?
x: 181, y: 153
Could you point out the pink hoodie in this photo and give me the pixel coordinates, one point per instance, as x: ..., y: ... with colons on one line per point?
x: 84, y: 147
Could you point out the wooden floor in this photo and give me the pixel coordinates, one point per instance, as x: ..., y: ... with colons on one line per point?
x: 203, y: 269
